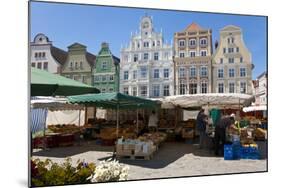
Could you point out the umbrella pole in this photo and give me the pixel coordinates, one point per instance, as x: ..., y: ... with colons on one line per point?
x: 117, y: 130
x: 137, y: 121
x: 79, y: 117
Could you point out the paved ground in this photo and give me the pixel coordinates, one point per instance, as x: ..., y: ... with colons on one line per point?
x: 172, y: 159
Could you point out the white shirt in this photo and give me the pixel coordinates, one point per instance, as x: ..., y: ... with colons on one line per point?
x: 152, y: 120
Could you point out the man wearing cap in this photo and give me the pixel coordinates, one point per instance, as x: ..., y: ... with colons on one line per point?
x: 225, y: 122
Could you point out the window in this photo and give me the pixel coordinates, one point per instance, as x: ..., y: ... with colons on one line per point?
x: 110, y: 90
x: 203, y: 42
x: 39, y: 54
x: 71, y: 65
x: 76, y: 65
x: 242, y: 72
x: 138, y: 45
x: 204, y: 71
x: 36, y: 54
x: 166, y: 55
x: 126, y: 90
x: 156, y: 54
x: 220, y: 73
x: 156, y: 90
x: 156, y: 73
x: 97, y: 78
x: 182, y: 87
x: 192, y: 54
x: 33, y: 64
x: 84, y: 79
x: 231, y: 60
x: 230, y: 50
x: 203, y: 53
x: 242, y: 87
x: 230, y: 40
x: 192, y: 42
x: 103, y: 66
x: 192, y: 88
x: 181, y: 43
x: 111, y: 77
x: 221, y: 88
x: 231, y: 73
x: 45, y: 66
x: 134, y: 91
x: 224, y: 50
x: 103, y: 78
x: 143, y: 91
x: 103, y: 90
x: 221, y: 60
x: 158, y: 43
x: 241, y: 59
x: 192, y: 72
x: 166, y: 73
x: 145, y: 56
x: 126, y: 75
x: 182, y: 72
x: 76, y: 77
x: 81, y: 65
x: 146, y: 44
x: 153, y: 43
x: 231, y: 88
x: 182, y: 54
x: 143, y: 72
x: 237, y: 49
x: 135, y: 74
x: 43, y: 54
x: 166, y: 90
x: 39, y: 65
x: 135, y: 57
x: 204, y: 87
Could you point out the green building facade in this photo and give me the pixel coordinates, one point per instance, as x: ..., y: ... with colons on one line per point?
x: 105, y: 74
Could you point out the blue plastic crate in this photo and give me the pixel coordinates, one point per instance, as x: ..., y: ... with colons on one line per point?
x: 231, y: 152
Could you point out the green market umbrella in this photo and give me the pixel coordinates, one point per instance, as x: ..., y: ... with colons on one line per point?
x: 44, y: 83
x: 113, y: 101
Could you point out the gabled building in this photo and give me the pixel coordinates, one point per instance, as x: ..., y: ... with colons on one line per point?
x: 192, y: 58
x: 105, y: 75
x: 79, y: 64
x: 146, y: 63
x: 45, y: 56
x: 261, y: 89
x: 232, y: 63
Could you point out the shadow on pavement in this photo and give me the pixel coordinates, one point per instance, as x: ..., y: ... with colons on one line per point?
x: 64, y: 152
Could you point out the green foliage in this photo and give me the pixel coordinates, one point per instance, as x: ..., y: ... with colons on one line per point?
x: 45, y: 173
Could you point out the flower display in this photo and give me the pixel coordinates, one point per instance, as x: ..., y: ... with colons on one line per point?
x: 110, y: 170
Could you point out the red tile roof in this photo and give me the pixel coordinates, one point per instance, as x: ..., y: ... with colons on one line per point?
x: 194, y: 27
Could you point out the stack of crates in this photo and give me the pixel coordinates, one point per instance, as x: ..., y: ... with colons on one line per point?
x: 250, y: 152
x: 232, y: 151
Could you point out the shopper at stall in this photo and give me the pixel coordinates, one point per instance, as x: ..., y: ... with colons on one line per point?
x: 201, y: 124
x: 220, y: 131
x: 153, y: 121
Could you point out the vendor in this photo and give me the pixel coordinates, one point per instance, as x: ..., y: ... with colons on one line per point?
x: 153, y: 122
x: 220, y: 131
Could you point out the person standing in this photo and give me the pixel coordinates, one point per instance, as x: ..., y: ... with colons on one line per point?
x: 153, y: 121
x: 201, y: 123
x: 220, y: 132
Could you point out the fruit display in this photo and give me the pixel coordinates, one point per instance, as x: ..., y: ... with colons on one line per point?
x: 156, y: 138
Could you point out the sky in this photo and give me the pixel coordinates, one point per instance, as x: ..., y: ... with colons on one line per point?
x: 90, y: 25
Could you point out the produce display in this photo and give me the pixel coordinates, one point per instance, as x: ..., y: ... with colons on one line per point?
x: 65, y: 129
x: 163, y: 123
x: 156, y: 138
x: 111, y: 133
x: 260, y: 134
x: 188, y: 133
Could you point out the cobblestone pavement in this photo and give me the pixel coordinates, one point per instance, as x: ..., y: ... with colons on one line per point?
x: 173, y: 159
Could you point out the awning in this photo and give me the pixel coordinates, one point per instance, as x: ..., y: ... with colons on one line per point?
x: 255, y: 108
x: 44, y: 83
x: 219, y: 100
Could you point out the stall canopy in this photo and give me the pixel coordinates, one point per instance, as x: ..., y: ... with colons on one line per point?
x: 255, y: 108
x: 218, y: 100
x: 44, y: 83
x: 112, y: 101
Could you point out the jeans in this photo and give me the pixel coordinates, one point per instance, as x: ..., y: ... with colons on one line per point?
x: 202, y: 135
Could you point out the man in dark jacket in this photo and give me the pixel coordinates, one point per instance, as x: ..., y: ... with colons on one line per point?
x: 201, y: 123
x: 220, y: 132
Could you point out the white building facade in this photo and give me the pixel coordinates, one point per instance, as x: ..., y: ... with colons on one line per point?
x: 261, y: 90
x: 146, y: 67
x: 44, y: 56
x: 232, y: 63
